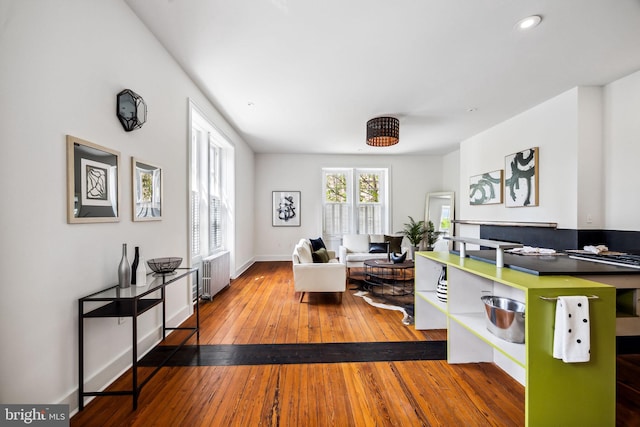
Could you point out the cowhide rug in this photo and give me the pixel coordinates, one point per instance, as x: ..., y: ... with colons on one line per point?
x: 385, y: 299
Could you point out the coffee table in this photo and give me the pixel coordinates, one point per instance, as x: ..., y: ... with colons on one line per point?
x: 397, y: 279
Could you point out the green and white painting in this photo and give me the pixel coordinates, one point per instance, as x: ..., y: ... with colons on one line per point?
x: 486, y: 188
x: 521, y: 179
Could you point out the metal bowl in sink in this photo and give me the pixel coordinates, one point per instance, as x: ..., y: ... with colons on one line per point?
x: 504, y: 318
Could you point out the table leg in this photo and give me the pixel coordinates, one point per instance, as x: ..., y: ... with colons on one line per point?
x: 80, y: 357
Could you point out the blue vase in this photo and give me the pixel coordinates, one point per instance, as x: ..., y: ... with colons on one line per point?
x: 398, y: 259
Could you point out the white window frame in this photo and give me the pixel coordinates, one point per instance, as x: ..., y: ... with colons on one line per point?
x: 211, y: 179
x: 337, y: 208
x: 382, y: 226
x: 353, y: 204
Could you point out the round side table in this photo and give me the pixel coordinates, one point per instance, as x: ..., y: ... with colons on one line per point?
x: 396, y: 278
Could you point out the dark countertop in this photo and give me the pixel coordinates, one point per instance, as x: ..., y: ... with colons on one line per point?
x: 549, y: 265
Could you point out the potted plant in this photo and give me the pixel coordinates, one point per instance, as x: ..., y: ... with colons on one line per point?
x: 418, y: 231
x: 431, y: 235
x: 414, y: 231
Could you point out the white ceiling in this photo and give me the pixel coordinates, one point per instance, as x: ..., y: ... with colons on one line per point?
x: 304, y: 76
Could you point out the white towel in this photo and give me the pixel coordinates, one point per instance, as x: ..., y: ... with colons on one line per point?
x: 596, y: 249
x: 529, y: 250
x: 572, y: 336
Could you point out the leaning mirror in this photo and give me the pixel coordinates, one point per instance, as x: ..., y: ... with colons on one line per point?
x: 439, y: 210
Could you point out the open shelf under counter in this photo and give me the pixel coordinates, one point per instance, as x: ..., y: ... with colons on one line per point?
x: 476, y: 323
x: 431, y: 298
x: 434, y: 312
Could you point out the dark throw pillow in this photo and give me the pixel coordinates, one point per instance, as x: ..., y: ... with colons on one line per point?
x: 317, y: 244
x: 320, y: 256
x: 395, y: 243
x: 378, y: 248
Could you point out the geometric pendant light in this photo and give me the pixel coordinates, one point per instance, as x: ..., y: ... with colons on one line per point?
x: 383, y: 131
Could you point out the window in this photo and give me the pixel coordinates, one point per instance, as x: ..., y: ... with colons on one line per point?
x: 370, y: 204
x: 355, y: 201
x: 337, y: 202
x: 211, y: 164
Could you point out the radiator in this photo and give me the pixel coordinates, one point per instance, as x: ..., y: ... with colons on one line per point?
x: 215, y: 274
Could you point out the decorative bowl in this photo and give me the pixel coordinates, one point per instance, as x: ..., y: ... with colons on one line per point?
x: 166, y: 265
x: 398, y: 259
x: 505, y: 318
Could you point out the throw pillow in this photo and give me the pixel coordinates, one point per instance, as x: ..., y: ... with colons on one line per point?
x: 395, y: 243
x: 320, y: 256
x: 378, y: 248
x: 317, y: 244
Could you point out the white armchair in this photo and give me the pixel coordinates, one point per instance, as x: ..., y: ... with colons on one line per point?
x: 309, y: 276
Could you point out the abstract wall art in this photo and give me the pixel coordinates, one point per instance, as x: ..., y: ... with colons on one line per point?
x: 285, y: 210
x: 93, y: 191
x: 486, y: 188
x: 521, y: 178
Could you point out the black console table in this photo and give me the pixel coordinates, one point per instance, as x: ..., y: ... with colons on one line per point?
x: 130, y: 302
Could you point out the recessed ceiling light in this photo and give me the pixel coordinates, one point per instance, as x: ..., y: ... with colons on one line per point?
x: 472, y: 110
x: 529, y: 22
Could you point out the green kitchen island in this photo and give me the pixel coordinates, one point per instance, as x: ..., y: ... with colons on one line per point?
x: 556, y: 393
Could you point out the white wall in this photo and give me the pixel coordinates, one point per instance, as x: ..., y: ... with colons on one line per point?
x: 243, y: 254
x: 590, y: 185
x: 551, y: 126
x: 411, y: 178
x: 588, y: 139
x: 62, y: 65
x: 622, y: 142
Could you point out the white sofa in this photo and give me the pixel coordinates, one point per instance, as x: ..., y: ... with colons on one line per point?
x: 309, y: 276
x: 354, y: 249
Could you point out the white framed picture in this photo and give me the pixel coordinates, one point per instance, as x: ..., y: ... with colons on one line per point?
x: 285, y: 210
x: 146, y: 180
x: 93, y: 191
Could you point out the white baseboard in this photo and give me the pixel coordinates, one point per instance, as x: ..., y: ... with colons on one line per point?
x: 260, y: 258
x: 121, y: 363
x: 243, y: 268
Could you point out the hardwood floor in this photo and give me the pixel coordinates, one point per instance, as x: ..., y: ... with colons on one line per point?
x: 261, y: 307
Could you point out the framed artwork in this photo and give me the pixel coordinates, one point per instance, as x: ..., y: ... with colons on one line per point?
x: 521, y: 178
x: 285, y: 209
x: 146, y: 181
x: 93, y: 192
x: 486, y: 189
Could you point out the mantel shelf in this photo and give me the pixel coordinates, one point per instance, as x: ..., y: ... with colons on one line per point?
x: 506, y: 223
